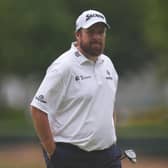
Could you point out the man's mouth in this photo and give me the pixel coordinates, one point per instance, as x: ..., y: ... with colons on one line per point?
x: 96, y: 44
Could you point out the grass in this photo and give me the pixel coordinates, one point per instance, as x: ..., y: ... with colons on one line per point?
x: 148, y: 124
x: 17, y: 122
x: 145, y: 131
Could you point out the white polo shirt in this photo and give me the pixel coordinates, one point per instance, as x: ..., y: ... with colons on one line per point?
x: 79, y: 95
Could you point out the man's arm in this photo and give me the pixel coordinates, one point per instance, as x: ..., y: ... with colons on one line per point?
x: 41, y: 125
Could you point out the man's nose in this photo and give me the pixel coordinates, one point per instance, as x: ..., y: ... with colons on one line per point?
x: 97, y: 35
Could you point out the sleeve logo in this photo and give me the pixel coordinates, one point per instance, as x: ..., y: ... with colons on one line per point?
x: 40, y: 98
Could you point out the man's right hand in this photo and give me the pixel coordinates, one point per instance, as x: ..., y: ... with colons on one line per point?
x: 51, y: 152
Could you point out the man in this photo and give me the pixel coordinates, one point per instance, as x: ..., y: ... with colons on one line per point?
x: 72, y: 110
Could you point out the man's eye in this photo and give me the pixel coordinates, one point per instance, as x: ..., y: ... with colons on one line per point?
x: 101, y: 32
x: 97, y: 32
x: 90, y: 31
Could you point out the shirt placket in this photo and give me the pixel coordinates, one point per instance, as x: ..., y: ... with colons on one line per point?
x: 97, y: 74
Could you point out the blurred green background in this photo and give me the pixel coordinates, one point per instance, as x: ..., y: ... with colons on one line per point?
x: 33, y: 33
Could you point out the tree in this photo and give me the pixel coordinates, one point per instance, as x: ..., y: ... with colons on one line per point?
x: 34, y: 33
x: 156, y: 34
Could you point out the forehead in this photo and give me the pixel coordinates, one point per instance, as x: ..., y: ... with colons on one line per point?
x: 97, y: 26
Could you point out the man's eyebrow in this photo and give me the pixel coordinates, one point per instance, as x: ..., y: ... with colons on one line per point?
x: 94, y: 29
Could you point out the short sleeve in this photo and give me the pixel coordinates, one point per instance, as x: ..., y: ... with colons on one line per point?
x: 51, y: 91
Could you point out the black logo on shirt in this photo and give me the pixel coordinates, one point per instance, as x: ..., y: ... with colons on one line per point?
x: 108, y: 77
x: 81, y: 77
x: 40, y: 98
x: 77, y: 78
x: 108, y: 72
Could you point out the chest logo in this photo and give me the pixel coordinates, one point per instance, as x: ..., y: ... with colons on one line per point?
x: 81, y: 77
x: 108, y: 75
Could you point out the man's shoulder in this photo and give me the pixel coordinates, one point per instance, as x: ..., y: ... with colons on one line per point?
x: 63, y: 62
x: 107, y: 59
x: 66, y: 57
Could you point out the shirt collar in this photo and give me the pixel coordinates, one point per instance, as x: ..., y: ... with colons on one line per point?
x: 81, y: 58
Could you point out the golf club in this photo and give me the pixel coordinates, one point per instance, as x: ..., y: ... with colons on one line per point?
x: 130, y: 155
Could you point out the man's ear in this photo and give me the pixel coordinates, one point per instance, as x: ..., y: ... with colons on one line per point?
x: 77, y: 35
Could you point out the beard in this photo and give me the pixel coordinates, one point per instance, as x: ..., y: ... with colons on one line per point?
x: 93, y: 48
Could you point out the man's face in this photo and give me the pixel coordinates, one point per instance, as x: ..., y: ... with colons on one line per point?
x: 92, y: 40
